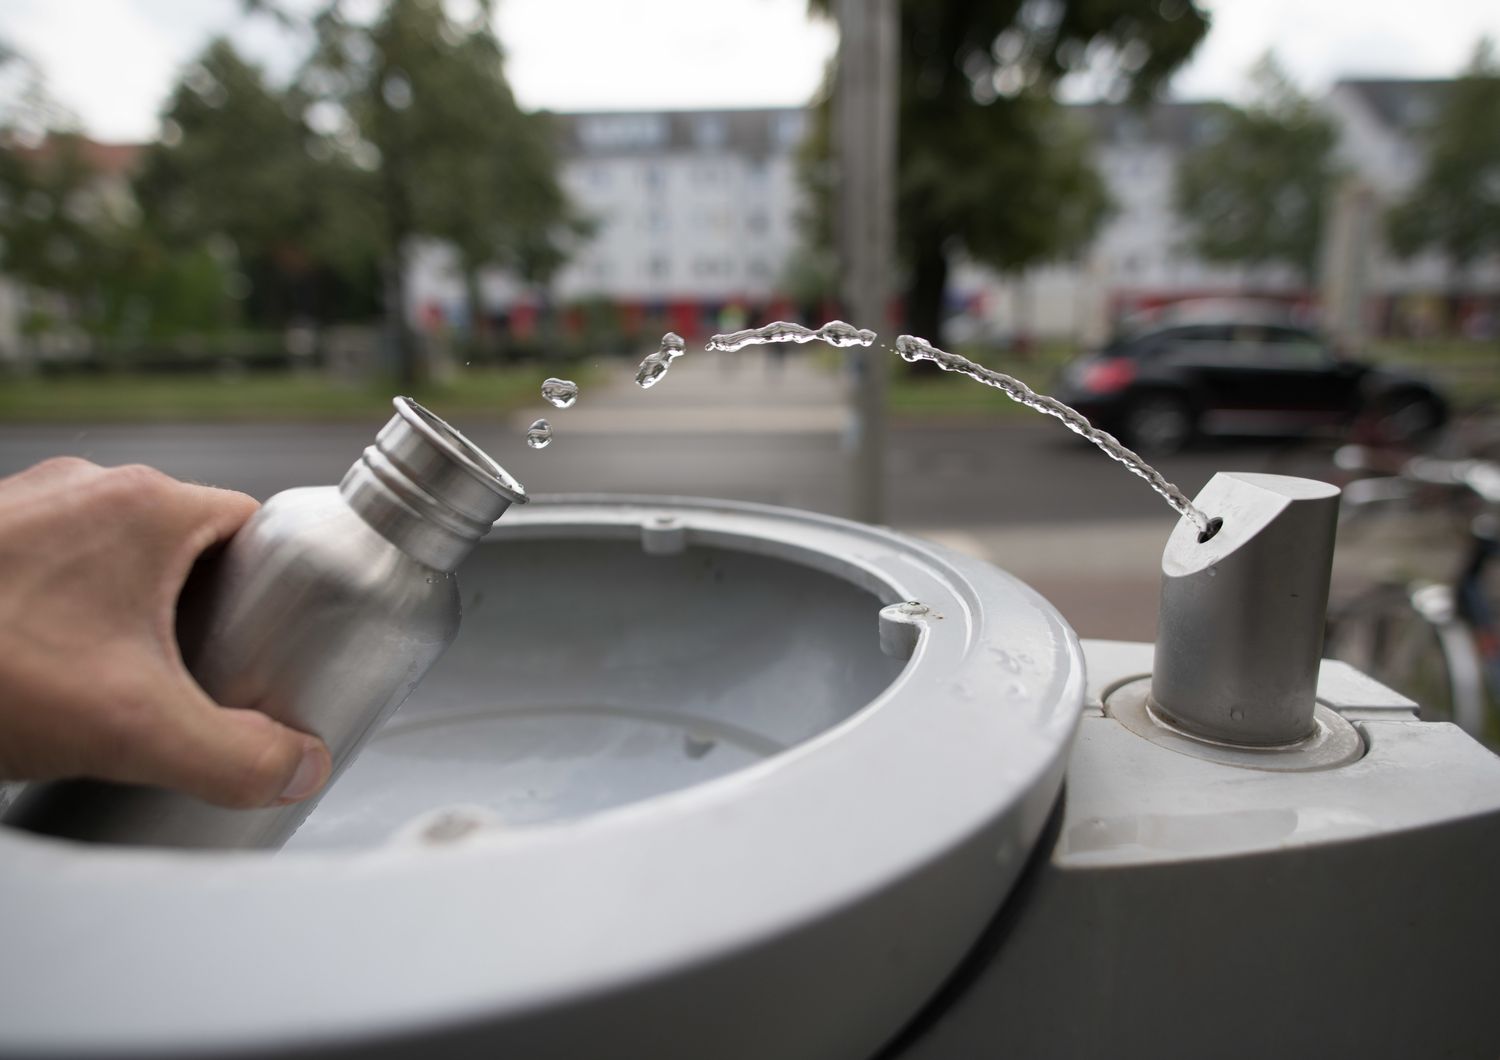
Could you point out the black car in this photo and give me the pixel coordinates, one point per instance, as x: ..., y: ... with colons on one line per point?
x: 1158, y: 386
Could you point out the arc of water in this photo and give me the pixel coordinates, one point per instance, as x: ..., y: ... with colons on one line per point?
x: 913, y: 348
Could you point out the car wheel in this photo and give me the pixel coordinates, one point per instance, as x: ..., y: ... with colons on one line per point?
x: 1158, y: 424
x: 1407, y: 418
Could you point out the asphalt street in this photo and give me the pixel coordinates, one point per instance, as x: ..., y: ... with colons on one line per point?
x: 745, y: 435
x: 1026, y: 495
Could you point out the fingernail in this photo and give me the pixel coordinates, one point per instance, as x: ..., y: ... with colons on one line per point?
x: 311, y: 773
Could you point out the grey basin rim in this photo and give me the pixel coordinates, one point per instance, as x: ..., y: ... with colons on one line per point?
x: 581, y: 907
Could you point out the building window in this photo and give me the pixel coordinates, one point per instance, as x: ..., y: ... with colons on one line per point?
x: 658, y: 266
x: 615, y: 131
x: 711, y: 267
x: 787, y: 128
x: 711, y: 131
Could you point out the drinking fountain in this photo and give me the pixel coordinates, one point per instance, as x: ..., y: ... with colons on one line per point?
x: 711, y: 779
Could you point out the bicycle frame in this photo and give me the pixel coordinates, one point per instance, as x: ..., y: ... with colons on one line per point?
x: 1473, y: 604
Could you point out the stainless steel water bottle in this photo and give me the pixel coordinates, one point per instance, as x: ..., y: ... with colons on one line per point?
x: 323, y: 611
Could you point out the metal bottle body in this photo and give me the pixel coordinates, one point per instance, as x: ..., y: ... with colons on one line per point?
x: 324, y: 611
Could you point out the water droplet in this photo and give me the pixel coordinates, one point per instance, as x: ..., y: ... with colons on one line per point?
x: 655, y: 365
x: 835, y: 333
x: 913, y: 349
x: 1236, y: 714
x: 697, y: 744
x: 1213, y: 572
x: 539, y: 434
x: 559, y: 393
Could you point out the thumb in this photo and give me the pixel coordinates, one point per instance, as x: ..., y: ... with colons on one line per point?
x: 240, y: 759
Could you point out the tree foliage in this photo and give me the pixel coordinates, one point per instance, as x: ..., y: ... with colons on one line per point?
x: 62, y: 229
x: 420, y: 99
x: 1455, y: 206
x: 989, y: 164
x: 294, y: 201
x: 1254, y: 192
x: 239, y: 173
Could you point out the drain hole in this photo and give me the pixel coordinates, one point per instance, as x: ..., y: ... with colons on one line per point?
x: 1214, y: 525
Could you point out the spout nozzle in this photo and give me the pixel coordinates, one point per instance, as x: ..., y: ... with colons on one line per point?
x: 1240, y: 630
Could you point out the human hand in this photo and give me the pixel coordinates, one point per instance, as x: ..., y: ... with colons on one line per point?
x: 92, y: 561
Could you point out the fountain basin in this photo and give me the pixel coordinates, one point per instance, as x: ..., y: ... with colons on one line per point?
x: 677, y: 790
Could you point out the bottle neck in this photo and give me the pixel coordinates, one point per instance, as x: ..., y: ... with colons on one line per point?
x: 427, y: 489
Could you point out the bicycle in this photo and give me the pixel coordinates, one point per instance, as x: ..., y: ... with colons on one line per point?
x: 1436, y: 642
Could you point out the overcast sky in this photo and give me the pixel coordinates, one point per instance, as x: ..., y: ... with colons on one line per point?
x: 113, y: 61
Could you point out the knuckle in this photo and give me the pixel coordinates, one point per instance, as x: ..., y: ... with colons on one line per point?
x: 140, y: 478
x: 63, y: 465
x: 134, y: 488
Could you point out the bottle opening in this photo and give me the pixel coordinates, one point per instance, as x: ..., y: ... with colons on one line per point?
x: 466, y: 454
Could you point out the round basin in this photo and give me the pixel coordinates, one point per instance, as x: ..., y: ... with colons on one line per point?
x: 696, y: 779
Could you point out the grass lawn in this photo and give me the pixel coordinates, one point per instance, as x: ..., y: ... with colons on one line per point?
x: 142, y: 398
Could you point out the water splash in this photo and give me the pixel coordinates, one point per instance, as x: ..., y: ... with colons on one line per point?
x: 912, y: 348
x: 559, y: 393
x: 835, y: 333
x: 656, y: 365
x: 539, y: 434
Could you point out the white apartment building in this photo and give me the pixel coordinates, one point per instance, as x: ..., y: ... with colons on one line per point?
x: 1140, y: 258
x: 693, y: 207
x: 701, y: 207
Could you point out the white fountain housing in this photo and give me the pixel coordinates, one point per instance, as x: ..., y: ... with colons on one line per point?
x: 702, y: 779
x: 666, y: 788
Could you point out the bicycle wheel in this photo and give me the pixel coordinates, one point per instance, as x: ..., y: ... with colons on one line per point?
x: 1381, y: 633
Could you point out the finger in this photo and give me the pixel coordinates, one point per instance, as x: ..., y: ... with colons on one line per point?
x: 229, y: 757
x: 212, y: 514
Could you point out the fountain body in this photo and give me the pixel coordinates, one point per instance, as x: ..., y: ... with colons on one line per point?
x: 707, y: 779
x: 714, y: 817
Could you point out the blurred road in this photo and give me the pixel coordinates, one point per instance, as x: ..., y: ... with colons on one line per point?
x: 1028, y: 496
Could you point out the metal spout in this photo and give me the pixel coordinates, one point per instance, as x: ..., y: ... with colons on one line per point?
x: 1240, y: 630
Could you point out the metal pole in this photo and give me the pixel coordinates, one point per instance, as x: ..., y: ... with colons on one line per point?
x: 865, y: 152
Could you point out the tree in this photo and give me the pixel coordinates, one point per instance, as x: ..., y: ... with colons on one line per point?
x: 420, y: 99
x: 1455, y: 206
x: 59, y: 231
x: 1254, y: 192
x: 239, y: 172
x: 989, y: 165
